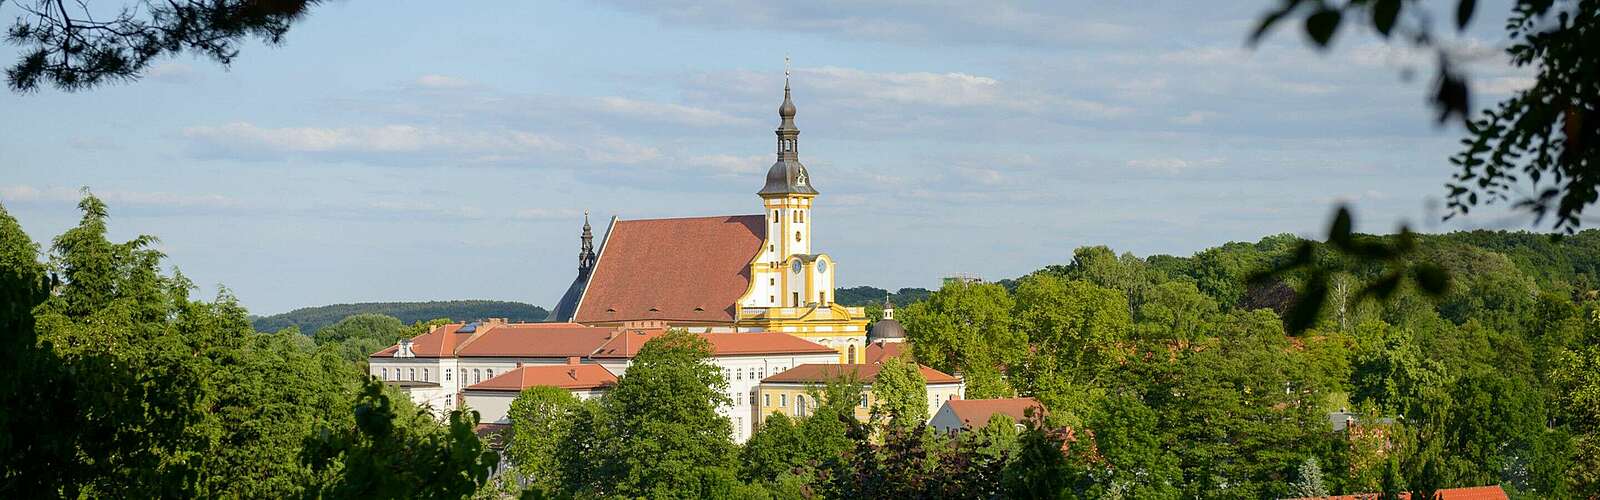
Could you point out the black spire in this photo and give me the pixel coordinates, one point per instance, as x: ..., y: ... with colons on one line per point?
x: 787, y: 175
x: 586, y: 252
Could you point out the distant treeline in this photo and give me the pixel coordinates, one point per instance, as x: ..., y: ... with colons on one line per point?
x: 864, y: 295
x: 311, y: 319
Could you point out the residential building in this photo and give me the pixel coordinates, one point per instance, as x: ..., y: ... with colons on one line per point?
x: 962, y: 414
x: 481, y: 362
x: 792, y: 392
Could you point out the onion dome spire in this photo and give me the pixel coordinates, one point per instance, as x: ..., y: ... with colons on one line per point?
x: 586, y: 251
x: 787, y: 176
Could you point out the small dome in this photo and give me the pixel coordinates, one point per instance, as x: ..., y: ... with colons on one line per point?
x: 886, y: 329
x: 786, y: 110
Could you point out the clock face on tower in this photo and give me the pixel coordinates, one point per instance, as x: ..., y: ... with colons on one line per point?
x: 796, y: 266
x: 822, y: 266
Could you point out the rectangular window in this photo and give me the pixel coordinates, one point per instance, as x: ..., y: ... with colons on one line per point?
x: 447, y: 375
x: 738, y: 374
x: 766, y: 400
x: 783, y: 400
x: 863, y: 400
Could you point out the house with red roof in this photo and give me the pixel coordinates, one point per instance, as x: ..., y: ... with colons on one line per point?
x: 1494, y: 492
x: 963, y: 414
x: 482, y: 365
x: 725, y: 273
x: 791, y: 392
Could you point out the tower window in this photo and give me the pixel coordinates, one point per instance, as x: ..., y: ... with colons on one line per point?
x: 802, y: 216
x: 774, y: 216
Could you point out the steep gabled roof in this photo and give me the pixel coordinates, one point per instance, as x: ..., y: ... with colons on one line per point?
x: 690, y: 269
x: 878, y: 352
x: 516, y: 340
x: 562, y: 376
x: 823, y: 373
x: 722, y: 344
x: 975, y: 413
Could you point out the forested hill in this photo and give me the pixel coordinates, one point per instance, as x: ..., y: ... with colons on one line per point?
x: 310, y: 319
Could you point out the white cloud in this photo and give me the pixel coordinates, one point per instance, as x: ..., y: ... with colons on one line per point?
x: 668, y: 112
x: 1172, y: 165
x: 727, y: 164
x: 23, y: 193
x: 1505, y: 85
x: 432, y: 81
x: 951, y: 90
x: 247, y: 139
x: 1193, y: 118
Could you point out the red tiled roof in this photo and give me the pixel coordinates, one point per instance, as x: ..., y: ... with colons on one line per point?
x: 824, y: 373
x: 565, y: 340
x: 877, y: 352
x: 976, y: 412
x: 536, y: 340
x: 722, y: 344
x: 1472, y: 493
x: 439, y: 342
x: 562, y: 376
x: 689, y: 269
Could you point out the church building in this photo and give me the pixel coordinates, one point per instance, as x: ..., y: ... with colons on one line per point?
x: 728, y: 273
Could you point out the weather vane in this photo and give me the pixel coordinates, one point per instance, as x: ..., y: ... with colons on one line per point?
x: 785, y: 66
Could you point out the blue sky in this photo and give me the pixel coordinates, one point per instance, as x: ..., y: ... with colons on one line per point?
x: 399, y: 151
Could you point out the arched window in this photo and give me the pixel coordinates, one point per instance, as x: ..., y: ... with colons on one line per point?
x: 385, y: 374
x: 425, y: 375
x: 477, y: 376
x: 799, y: 406
x: 852, y: 355
x: 413, y: 374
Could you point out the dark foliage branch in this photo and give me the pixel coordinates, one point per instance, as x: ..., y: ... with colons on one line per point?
x: 1540, y: 148
x: 1342, y: 253
x: 73, y: 46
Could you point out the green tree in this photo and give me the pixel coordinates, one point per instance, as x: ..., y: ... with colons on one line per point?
x: 659, y: 428
x: 901, y: 393
x: 392, y: 453
x: 775, y: 448
x: 1076, y: 331
x: 1308, y: 480
x: 1175, y: 311
x: 541, y: 417
x: 966, y: 328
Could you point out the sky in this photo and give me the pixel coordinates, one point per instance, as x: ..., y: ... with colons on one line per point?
x: 395, y: 150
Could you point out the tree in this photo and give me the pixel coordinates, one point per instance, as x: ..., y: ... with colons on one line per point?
x: 82, y: 48
x: 1308, y: 480
x: 775, y: 448
x: 390, y: 453
x: 966, y: 328
x: 541, y: 417
x: 659, y: 428
x: 1075, y: 330
x: 901, y: 393
x: 1175, y: 311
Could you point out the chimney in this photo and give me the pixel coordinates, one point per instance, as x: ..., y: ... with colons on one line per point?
x: 571, y: 360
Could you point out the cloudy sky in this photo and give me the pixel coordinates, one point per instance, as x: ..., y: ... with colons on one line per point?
x: 396, y: 150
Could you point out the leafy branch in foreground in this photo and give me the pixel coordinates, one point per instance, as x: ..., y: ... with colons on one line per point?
x: 73, y: 47
x: 1545, y: 138
x: 1350, y: 249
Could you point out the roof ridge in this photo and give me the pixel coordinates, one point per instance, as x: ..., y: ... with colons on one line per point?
x: 687, y: 217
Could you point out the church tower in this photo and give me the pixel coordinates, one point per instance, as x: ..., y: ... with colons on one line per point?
x: 787, y: 195
x: 791, y: 286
